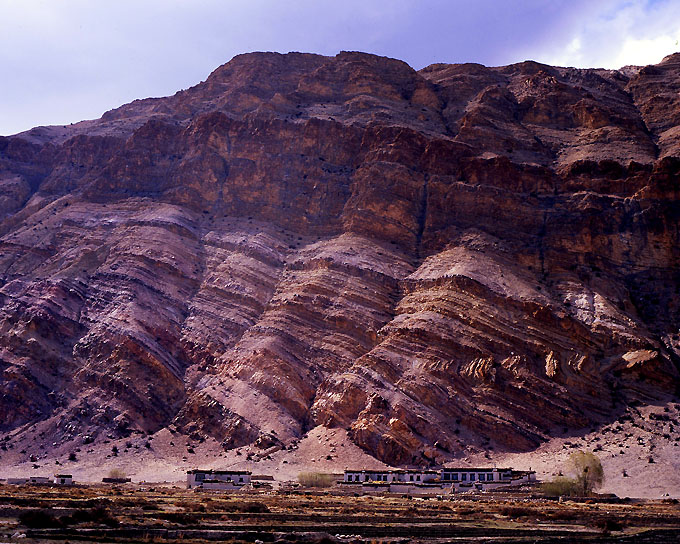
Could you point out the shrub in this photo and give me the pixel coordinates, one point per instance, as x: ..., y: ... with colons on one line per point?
x: 515, y: 511
x: 316, y: 479
x: 103, y: 515
x: 254, y: 508
x: 81, y: 515
x: 563, y: 515
x: 561, y: 486
x: 182, y: 519
x: 587, y: 473
x: 608, y: 524
x: 98, y: 515
x: 39, y: 519
x: 116, y: 473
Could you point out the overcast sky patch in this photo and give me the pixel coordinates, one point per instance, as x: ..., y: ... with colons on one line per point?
x: 67, y: 60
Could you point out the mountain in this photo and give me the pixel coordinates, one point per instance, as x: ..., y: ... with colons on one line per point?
x: 455, y: 258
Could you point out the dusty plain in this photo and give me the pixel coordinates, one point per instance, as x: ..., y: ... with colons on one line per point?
x: 144, y: 513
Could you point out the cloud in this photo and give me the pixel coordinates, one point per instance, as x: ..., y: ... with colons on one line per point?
x: 67, y: 60
x: 618, y: 33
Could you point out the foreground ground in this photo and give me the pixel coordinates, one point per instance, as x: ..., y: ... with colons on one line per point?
x: 173, y: 514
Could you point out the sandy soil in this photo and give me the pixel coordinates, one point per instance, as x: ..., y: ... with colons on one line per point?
x: 171, y: 455
x: 624, y: 447
x: 627, y: 445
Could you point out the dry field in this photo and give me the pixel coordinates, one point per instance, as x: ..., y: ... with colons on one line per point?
x: 172, y: 514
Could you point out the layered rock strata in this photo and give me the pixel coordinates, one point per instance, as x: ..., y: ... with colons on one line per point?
x: 437, y: 260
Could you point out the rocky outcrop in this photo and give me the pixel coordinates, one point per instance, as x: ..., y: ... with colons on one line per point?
x: 461, y: 257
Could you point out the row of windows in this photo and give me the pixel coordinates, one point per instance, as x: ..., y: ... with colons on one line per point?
x: 451, y: 476
x: 377, y: 478
x: 472, y: 476
x: 200, y: 477
x: 380, y: 478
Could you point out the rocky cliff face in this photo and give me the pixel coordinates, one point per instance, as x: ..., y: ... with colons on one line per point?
x: 460, y: 257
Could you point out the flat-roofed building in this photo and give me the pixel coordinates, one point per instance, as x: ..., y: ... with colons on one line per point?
x: 432, y: 481
x: 458, y: 475
x: 415, y: 475
x: 485, y: 478
x: 218, y: 479
x: 396, y: 475
x: 63, y: 479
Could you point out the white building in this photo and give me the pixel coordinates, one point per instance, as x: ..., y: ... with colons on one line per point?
x: 416, y: 481
x: 63, y: 479
x: 224, y: 480
x: 470, y: 475
x: 485, y: 478
x: 415, y: 476
x: 412, y: 481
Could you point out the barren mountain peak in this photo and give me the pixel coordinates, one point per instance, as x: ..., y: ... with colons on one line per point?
x: 436, y: 262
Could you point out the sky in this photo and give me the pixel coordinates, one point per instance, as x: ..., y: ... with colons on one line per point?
x: 62, y: 61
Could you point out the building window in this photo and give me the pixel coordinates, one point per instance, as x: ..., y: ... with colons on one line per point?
x: 411, y: 477
x: 200, y: 477
x: 472, y: 477
x: 349, y: 477
x: 455, y: 477
x: 418, y: 477
x: 489, y: 477
x: 463, y: 477
x: 240, y: 479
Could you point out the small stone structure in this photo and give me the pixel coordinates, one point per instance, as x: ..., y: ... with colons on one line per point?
x: 57, y: 479
x: 220, y: 480
x: 108, y: 480
x: 63, y: 479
